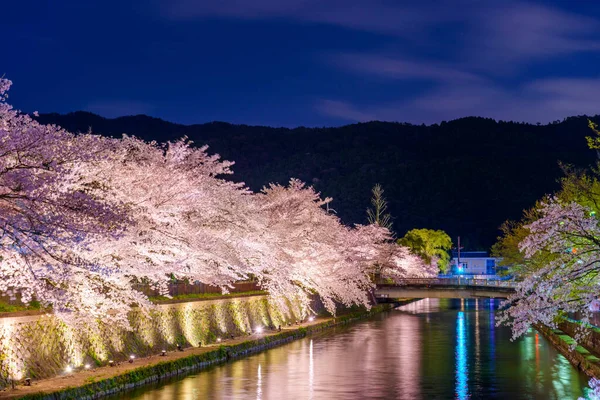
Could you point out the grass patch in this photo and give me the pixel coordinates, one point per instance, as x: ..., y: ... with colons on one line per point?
x: 203, y: 296
x: 10, y: 308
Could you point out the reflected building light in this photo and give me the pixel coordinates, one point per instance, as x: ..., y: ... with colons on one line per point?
x: 561, y: 377
x: 259, y: 384
x: 426, y: 305
x: 462, y: 388
x: 311, y: 371
x: 477, y: 333
x: 537, y: 352
x: 408, y: 357
x: 492, y: 337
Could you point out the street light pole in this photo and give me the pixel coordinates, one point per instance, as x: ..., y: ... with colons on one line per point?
x: 458, y: 248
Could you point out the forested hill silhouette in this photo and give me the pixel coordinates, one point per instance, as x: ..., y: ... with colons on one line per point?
x: 464, y: 176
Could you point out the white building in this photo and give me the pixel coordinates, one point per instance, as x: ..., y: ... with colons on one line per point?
x: 473, y: 263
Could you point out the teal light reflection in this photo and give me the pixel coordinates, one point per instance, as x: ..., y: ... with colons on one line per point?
x: 462, y: 371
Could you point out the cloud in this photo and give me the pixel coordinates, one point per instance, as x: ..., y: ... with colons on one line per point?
x: 523, y: 31
x: 539, y: 101
x: 397, y: 68
x: 343, y: 110
x: 476, y: 57
x: 119, y: 108
x: 379, y: 16
x: 489, y: 33
x: 503, y: 39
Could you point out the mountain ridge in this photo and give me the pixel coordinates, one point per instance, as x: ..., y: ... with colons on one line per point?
x: 465, y: 176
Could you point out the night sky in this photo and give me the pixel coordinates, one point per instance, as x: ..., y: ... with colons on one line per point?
x: 304, y: 62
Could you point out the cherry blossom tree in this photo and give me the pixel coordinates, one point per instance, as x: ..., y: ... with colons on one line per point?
x: 86, y: 218
x: 567, y: 238
x: 315, y: 253
x: 50, y: 210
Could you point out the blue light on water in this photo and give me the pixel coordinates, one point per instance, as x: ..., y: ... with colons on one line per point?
x: 492, y: 338
x: 462, y: 371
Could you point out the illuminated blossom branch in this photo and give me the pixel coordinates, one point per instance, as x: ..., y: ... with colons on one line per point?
x: 567, y: 239
x: 85, y: 218
x: 50, y: 211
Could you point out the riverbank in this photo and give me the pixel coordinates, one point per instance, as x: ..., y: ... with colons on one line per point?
x: 580, y: 357
x: 103, y: 381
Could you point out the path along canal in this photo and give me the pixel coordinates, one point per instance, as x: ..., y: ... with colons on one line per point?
x: 430, y: 349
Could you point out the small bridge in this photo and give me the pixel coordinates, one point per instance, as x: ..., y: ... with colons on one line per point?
x: 443, y: 288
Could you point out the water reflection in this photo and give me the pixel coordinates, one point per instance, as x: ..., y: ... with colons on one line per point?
x: 259, y: 384
x: 436, y: 348
x: 424, y: 306
x: 311, y: 372
x: 462, y: 389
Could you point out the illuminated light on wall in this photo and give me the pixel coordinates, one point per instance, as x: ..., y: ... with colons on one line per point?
x: 462, y: 372
x: 69, y: 369
x: 146, y: 331
x: 187, y: 323
x: 264, y: 313
x: 73, y: 345
x: 240, y: 317
x: 167, y: 325
x: 221, y: 316
x: 15, y: 368
x: 275, y: 313
x: 162, y: 327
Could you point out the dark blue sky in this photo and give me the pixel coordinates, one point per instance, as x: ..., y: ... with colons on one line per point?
x: 304, y: 62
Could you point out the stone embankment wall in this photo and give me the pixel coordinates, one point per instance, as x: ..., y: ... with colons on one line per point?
x: 42, y: 346
x: 580, y: 357
x: 590, y: 341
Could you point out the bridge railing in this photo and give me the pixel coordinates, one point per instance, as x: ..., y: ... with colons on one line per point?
x: 458, y: 281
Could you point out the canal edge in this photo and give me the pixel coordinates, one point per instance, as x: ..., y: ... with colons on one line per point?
x: 187, y: 364
x: 580, y: 357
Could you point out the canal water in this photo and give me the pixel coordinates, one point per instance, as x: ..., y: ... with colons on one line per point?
x: 430, y: 349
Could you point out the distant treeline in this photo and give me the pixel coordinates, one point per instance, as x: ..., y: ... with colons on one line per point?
x: 464, y: 176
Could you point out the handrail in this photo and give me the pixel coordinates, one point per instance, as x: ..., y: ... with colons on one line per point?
x: 458, y: 281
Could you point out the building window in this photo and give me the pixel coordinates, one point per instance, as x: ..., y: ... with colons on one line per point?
x: 490, y: 266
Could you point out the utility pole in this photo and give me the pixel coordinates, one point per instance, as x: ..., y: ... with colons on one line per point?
x: 458, y: 258
x: 458, y: 247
